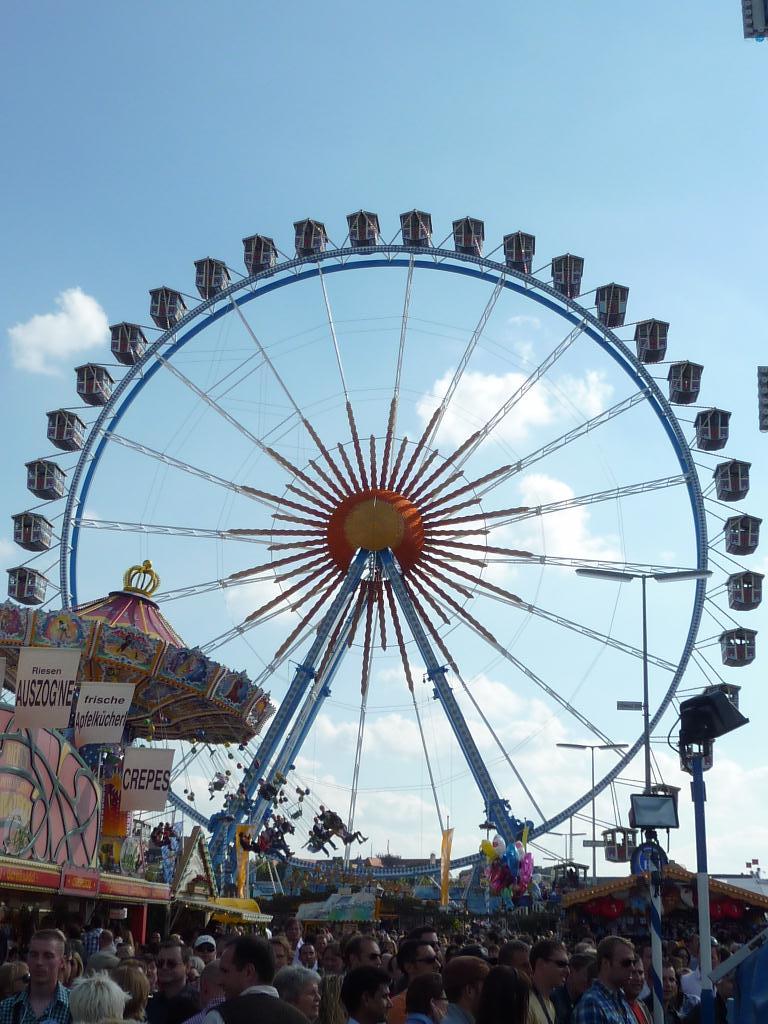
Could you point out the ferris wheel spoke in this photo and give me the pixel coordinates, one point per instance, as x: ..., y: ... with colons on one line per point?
x: 568, y: 438
x: 284, y: 387
x: 398, y: 460
x: 306, y: 618
x: 322, y: 574
x: 272, y: 503
x: 356, y: 444
x: 491, y: 640
x: 399, y: 635
x: 505, y: 517
x: 381, y: 614
x: 436, y: 419
x: 348, y: 466
x: 393, y: 406
x: 541, y: 370
x: 229, y: 418
x: 173, y: 531
x: 431, y: 629
x: 429, y: 506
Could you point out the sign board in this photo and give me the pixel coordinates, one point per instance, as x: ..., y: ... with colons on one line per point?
x: 629, y: 705
x: 146, y: 779
x: 648, y: 857
x: 101, y: 711
x: 597, y: 843
x: 45, y: 687
x: 79, y: 881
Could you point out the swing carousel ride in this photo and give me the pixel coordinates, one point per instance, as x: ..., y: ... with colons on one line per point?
x: 422, y: 444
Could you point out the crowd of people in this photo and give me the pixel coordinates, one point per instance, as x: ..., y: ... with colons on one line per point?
x: 366, y: 977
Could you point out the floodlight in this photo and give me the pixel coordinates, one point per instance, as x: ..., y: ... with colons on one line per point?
x: 653, y: 811
x: 708, y: 716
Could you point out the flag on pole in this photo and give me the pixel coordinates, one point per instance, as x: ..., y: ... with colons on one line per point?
x: 241, y: 882
x: 445, y: 865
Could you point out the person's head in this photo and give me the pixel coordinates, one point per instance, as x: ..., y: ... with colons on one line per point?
x: 301, y: 988
x: 715, y: 954
x: 365, y: 994
x: 45, y: 958
x: 517, y: 954
x: 426, y: 933
x: 150, y: 969
x: 205, y: 947
x: 549, y: 964
x: 669, y: 983
x: 125, y: 952
x: 463, y: 978
x: 726, y: 986
x: 14, y: 978
x: 155, y: 938
x: 504, y: 997
x: 194, y: 969
x: 172, y: 967
x: 106, y: 939
x: 416, y: 957
x: 281, y: 950
x: 615, y: 957
x: 247, y: 961
x: 636, y: 980
x: 308, y: 955
x: 333, y: 961
x: 293, y: 931
x: 210, y: 983
x: 133, y: 981
x: 426, y: 995
x: 96, y: 998
x: 578, y: 980
x: 320, y: 943
x: 362, y: 951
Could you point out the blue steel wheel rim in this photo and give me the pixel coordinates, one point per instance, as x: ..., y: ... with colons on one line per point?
x: 424, y: 258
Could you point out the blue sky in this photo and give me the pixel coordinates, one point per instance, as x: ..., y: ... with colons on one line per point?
x: 142, y: 137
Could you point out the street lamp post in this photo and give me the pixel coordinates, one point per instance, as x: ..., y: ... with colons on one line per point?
x: 626, y: 576
x: 592, y: 747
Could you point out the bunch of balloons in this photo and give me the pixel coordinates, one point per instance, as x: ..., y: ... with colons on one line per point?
x: 509, y: 869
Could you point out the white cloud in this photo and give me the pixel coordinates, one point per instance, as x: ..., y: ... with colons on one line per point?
x: 48, y: 341
x: 524, y: 321
x: 588, y: 394
x: 565, y: 533
x: 477, y: 397
x: 9, y: 553
x: 480, y: 395
x: 244, y: 599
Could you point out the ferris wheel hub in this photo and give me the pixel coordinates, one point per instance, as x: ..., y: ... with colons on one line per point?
x: 375, y: 519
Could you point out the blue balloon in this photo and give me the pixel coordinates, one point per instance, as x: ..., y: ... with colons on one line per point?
x: 511, y: 859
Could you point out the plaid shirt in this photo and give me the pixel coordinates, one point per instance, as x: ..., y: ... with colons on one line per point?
x: 200, y: 1017
x: 91, y: 942
x: 18, y: 1009
x: 599, y: 1005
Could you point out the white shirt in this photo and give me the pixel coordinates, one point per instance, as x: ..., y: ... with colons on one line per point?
x: 691, y: 983
x: 214, y: 1017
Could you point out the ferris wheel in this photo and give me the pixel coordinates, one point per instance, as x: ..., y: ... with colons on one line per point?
x: 422, y: 445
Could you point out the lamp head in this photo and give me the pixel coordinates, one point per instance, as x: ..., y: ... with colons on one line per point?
x: 707, y: 716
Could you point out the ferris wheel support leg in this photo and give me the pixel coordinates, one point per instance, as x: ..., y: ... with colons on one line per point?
x: 224, y: 833
x: 320, y: 689
x: 497, y: 809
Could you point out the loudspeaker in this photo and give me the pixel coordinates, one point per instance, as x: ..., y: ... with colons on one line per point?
x: 708, y: 716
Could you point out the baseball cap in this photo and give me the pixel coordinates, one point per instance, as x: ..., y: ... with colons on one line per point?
x: 204, y: 940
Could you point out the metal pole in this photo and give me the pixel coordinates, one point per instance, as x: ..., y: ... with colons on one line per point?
x: 570, y: 838
x: 594, y: 848
x: 699, y: 794
x: 646, y: 699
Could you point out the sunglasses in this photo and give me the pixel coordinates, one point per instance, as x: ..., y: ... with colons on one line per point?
x: 169, y: 963
x: 426, y: 960
x: 559, y: 963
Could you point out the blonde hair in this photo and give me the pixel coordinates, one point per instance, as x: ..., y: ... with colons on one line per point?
x: 133, y: 981
x: 93, y: 999
x: 9, y: 975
